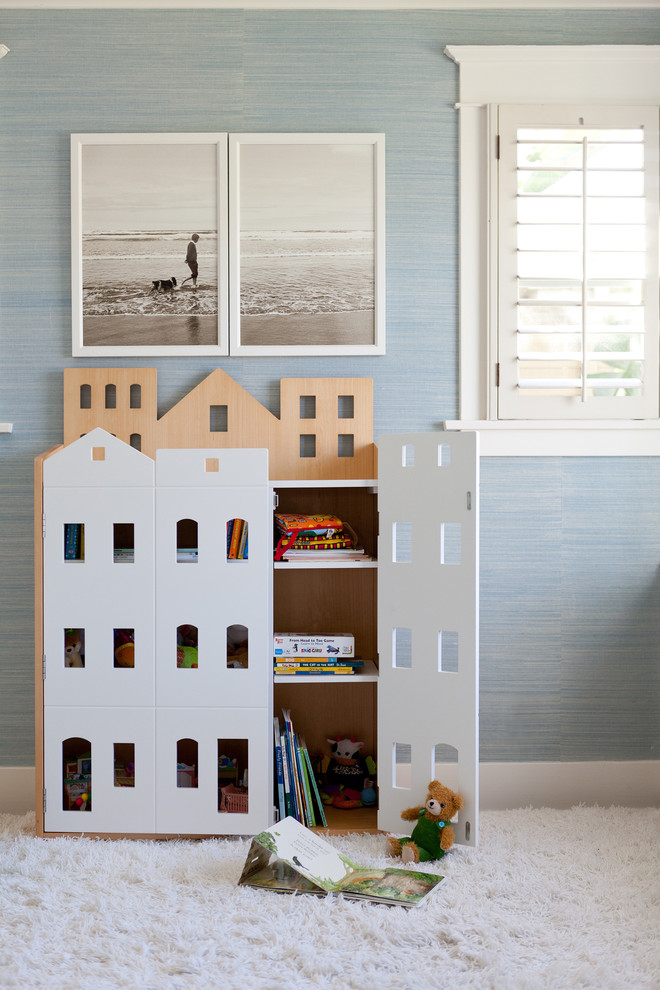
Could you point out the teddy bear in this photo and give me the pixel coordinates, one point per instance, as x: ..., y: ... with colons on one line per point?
x: 432, y: 836
x: 73, y: 649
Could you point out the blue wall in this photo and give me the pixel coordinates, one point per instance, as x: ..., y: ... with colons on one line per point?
x: 570, y: 548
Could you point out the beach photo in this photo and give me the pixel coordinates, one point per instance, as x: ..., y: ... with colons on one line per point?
x: 307, y: 244
x: 149, y: 236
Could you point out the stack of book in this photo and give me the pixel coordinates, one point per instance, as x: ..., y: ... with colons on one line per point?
x: 297, y: 791
x: 315, y: 538
x: 298, y: 654
x: 299, y: 668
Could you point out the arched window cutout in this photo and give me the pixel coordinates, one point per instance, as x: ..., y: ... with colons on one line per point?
x: 110, y: 396
x: 136, y: 397
x: 237, y: 539
x: 74, y: 648
x: 450, y: 543
x: 186, y: 646
x: 233, y: 776
x: 444, y: 454
x: 402, y: 647
x: 136, y: 441
x: 448, y: 651
x: 408, y: 455
x: 85, y: 396
x: 187, y: 751
x: 237, y: 647
x: 124, y: 764
x: 444, y: 765
x: 402, y: 765
x: 76, y: 774
x: 187, y: 541
x: 124, y: 647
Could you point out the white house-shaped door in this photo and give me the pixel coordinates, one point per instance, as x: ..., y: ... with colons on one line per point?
x: 214, y: 632
x: 99, y: 770
x: 428, y: 624
x: 98, y: 573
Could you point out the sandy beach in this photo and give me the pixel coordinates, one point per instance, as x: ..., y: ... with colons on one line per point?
x: 281, y: 330
x: 150, y: 331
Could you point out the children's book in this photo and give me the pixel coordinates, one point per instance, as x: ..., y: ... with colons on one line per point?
x: 291, y: 859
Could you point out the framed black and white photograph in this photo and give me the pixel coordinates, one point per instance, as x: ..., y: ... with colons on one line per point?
x: 149, y: 244
x: 307, y: 244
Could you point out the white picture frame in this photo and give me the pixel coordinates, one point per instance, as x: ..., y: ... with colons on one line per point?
x: 136, y: 201
x: 307, y: 244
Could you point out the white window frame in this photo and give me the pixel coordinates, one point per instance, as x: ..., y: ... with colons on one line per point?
x: 607, y: 75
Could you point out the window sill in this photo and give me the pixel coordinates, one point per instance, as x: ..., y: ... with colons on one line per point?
x: 608, y: 438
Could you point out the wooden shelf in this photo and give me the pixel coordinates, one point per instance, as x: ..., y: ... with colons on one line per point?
x: 365, y: 674
x: 316, y: 565
x: 355, y: 820
x: 371, y: 484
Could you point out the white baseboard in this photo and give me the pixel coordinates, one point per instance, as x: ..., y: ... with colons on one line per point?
x: 626, y: 784
x: 16, y: 790
x: 634, y: 784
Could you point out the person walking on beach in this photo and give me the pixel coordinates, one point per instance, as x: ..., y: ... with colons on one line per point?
x: 191, y: 260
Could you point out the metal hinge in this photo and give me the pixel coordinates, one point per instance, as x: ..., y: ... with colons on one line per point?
x: 469, y: 501
x: 44, y: 800
x: 43, y: 666
x: 43, y: 526
x: 497, y: 147
x: 276, y: 500
x: 497, y: 375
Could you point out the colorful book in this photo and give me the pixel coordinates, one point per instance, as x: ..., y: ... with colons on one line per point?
x: 288, y: 800
x: 279, y: 767
x: 325, y: 662
x: 287, y: 671
x: 237, y: 529
x: 308, y: 808
x: 312, y: 777
x: 242, y: 543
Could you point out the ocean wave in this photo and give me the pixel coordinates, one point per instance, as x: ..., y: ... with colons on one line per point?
x: 146, y: 235
x: 103, y: 301
x: 274, y: 235
x: 306, y: 254
x: 208, y: 257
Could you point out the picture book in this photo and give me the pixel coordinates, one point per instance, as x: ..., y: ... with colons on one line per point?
x: 291, y: 859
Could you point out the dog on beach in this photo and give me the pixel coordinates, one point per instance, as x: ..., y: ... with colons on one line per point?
x: 164, y: 284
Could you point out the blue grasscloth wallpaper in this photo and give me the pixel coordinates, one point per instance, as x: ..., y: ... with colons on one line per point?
x: 570, y: 549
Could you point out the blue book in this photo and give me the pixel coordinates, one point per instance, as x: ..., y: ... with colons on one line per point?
x: 279, y: 768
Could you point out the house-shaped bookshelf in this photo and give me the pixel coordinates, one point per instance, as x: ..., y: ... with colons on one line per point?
x: 325, y: 427
x: 157, y: 597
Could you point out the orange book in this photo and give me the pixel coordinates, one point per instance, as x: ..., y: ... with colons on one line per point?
x: 235, y: 538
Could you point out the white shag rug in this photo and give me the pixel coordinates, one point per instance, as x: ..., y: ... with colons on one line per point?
x: 549, y: 900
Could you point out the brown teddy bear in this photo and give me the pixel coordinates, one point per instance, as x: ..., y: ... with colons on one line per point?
x: 432, y: 836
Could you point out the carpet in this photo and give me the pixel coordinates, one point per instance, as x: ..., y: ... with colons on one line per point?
x: 549, y: 899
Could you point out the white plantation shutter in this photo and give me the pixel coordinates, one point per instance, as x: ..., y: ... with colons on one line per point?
x: 577, y: 315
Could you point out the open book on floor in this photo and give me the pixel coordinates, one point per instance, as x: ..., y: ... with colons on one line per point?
x: 292, y: 859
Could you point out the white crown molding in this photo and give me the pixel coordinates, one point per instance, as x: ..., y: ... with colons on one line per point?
x: 410, y: 6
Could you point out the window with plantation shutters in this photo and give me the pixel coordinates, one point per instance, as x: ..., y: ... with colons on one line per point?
x: 577, y: 263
